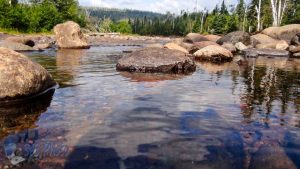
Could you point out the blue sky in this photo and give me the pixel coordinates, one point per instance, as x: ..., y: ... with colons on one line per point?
x: 162, y: 6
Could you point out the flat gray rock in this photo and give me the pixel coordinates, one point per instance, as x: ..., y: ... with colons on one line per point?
x: 264, y: 52
x: 151, y: 60
x: 19, y: 47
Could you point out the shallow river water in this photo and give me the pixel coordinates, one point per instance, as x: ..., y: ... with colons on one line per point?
x: 221, y: 116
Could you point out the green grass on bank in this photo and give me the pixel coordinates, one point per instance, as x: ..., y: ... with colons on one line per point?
x: 16, y: 32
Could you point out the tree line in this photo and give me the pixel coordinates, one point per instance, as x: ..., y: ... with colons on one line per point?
x: 43, y: 15
x: 222, y: 19
x: 38, y: 15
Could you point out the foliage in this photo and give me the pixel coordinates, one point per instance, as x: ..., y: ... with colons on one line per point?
x: 123, y: 27
x: 38, y: 15
x: 43, y: 15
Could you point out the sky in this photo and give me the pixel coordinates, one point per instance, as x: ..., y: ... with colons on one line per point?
x: 161, y: 6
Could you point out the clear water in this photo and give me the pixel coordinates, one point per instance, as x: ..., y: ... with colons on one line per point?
x: 221, y: 116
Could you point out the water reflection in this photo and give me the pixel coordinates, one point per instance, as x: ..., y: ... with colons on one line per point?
x: 151, y: 77
x: 14, y: 118
x: 68, y: 62
x: 221, y: 116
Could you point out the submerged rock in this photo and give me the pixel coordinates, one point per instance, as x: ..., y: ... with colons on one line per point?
x: 287, y: 32
x: 20, y: 77
x: 156, y: 60
x: 174, y: 46
x: 271, y: 157
x: 235, y: 37
x: 194, y: 37
x: 214, y: 53
x: 265, y: 52
x: 68, y: 35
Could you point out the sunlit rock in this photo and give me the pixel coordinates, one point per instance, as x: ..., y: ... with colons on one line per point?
x: 287, y: 32
x: 199, y: 45
x: 68, y: 35
x: 20, y: 77
x: 214, y: 53
x: 240, y: 46
x: 261, y: 39
x: 174, y: 46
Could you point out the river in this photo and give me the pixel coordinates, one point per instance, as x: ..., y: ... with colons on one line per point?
x: 221, y: 116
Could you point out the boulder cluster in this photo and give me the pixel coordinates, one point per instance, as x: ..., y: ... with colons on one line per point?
x: 20, y: 77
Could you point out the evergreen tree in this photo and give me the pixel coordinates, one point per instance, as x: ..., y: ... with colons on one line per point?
x: 197, y: 25
x: 240, y: 12
x: 224, y: 8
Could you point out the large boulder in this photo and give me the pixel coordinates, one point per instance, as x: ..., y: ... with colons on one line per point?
x: 214, y: 53
x: 21, y: 78
x: 19, y: 47
x: 213, y: 38
x: 199, y: 45
x: 265, y: 52
x: 174, y: 46
x: 287, y: 32
x: 235, y: 37
x: 194, y: 37
x: 261, y: 39
x: 69, y: 36
x: 156, y: 60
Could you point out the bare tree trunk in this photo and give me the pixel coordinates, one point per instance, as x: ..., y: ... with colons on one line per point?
x: 278, y: 9
x: 244, y: 21
x: 258, y: 10
x: 202, y: 20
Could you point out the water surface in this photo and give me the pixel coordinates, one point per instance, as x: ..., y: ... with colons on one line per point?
x: 221, y: 116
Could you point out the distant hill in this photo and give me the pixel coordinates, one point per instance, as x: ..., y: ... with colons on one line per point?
x: 119, y: 14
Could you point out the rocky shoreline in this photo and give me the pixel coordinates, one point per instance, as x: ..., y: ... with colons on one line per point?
x: 157, y: 54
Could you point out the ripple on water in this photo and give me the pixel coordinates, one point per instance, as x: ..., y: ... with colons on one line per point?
x: 221, y: 116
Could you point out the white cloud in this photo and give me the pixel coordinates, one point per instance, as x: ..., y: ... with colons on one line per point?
x: 162, y: 6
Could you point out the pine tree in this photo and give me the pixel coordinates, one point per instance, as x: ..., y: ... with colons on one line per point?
x: 224, y: 8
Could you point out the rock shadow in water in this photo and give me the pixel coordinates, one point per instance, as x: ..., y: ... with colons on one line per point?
x: 23, y: 115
